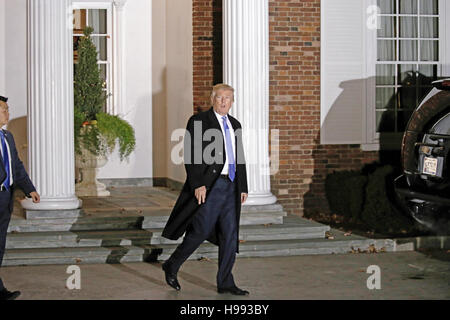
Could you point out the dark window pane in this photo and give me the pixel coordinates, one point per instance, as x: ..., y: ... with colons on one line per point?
x: 429, y: 50
x: 408, y: 27
x: 385, y: 98
x: 102, y: 68
x: 387, y: 28
x: 97, y: 19
x: 427, y: 73
x: 408, y: 97
x: 385, y: 121
x: 408, y: 6
x: 79, y: 21
x: 102, y: 48
x: 385, y: 74
x: 105, y: 106
x: 386, y: 50
x: 429, y: 27
x: 429, y: 7
x: 387, y: 6
x: 408, y: 50
x: 407, y: 74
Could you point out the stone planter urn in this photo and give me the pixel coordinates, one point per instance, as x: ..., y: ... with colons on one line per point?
x: 88, y: 165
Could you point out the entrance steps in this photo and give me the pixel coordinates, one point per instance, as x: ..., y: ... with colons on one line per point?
x: 77, y: 237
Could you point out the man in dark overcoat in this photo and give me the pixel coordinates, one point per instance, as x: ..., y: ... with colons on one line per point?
x: 209, y: 205
x: 12, y: 176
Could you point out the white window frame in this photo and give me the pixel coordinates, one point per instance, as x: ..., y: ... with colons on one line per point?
x: 372, y: 138
x: 114, y: 72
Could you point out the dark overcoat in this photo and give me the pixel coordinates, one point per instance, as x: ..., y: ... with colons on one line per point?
x: 20, y: 176
x: 206, y: 171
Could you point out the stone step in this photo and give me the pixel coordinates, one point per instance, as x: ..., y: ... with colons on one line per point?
x: 161, y: 252
x: 247, y: 218
x: 289, y: 247
x: 75, y: 224
x: 72, y: 239
x: 53, y: 214
x: 293, y: 228
x: 276, y: 207
x: 147, y: 220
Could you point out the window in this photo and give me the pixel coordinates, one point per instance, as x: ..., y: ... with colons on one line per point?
x: 407, y: 61
x: 378, y: 59
x: 99, y: 18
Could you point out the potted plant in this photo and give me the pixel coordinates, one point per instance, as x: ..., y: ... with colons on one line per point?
x: 96, y: 132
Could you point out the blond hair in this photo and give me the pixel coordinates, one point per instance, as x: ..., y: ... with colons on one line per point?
x: 220, y: 86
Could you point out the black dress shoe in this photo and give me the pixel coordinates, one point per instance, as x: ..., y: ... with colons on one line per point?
x: 8, y: 295
x: 171, y: 278
x: 233, y: 290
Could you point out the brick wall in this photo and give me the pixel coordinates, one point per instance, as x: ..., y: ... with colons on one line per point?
x: 294, y: 31
x: 207, y: 49
x: 295, y: 109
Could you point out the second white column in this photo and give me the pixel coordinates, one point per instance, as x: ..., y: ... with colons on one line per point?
x: 246, y: 69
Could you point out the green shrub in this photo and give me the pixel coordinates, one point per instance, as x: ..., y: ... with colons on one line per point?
x: 112, y: 129
x: 89, y: 96
x: 96, y: 131
x: 380, y: 213
x: 345, y: 193
x: 356, y: 194
x: 367, y: 198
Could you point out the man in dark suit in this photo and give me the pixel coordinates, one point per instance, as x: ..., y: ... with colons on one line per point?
x: 12, y: 175
x: 209, y: 205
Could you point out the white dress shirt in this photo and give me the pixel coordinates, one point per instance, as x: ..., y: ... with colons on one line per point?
x: 231, y: 130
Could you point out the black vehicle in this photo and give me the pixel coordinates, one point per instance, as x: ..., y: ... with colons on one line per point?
x: 424, y: 187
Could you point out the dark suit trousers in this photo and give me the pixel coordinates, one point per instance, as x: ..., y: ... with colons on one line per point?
x: 218, y: 211
x: 5, y: 217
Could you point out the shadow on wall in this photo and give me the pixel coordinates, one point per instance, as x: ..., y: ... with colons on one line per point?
x: 178, y: 109
x: 18, y: 127
x: 159, y: 125
x: 217, y: 42
x: 328, y: 158
x: 142, y: 117
x: 202, y: 85
x: 414, y: 88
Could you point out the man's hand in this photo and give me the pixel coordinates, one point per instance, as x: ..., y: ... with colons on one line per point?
x: 200, y: 194
x: 244, y: 197
x: 35, y: 196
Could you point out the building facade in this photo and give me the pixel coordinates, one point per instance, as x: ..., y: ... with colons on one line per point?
x: 328, y: 84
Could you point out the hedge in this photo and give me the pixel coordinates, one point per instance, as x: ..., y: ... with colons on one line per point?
x: 366, y: 197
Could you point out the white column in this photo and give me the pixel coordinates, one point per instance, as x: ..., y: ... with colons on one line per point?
x: 246, y: 69
x: 50, y: 105
x: 119, y: 46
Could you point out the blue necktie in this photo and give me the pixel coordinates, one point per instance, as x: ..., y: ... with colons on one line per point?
x: 229, y: 146
x: 5, y: 160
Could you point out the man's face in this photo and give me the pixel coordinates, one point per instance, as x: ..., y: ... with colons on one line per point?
x: 4, y: 113
x: 223, y: 101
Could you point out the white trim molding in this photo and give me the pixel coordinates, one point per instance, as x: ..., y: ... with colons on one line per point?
x: 119, y: 44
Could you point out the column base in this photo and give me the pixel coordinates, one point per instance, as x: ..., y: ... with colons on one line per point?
x: 260, y: 199
x: 52, y: 204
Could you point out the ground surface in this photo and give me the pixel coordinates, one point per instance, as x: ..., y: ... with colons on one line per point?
x: 405, y: 275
